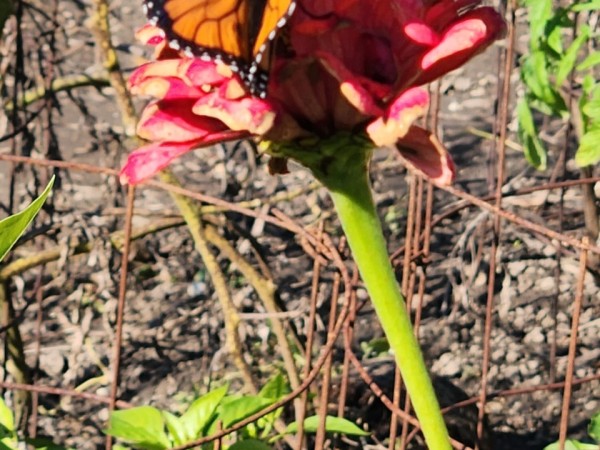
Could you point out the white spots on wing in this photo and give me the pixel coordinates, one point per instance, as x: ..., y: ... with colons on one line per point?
x: 291, y: 9
x: 255, y: 79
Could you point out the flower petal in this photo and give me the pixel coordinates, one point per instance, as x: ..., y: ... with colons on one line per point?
x: 472, y: 34
x: 194, y: 72
x: 421, y: 33
x: 167, y: 88
x: 152, y: 35
x: 146, y: 161
x: 422, y: 152
x: 399, y: 117
x: 174, y: 121
x: 250, y: 114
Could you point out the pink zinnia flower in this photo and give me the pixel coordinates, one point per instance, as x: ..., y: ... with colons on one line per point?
x: 345, y: 66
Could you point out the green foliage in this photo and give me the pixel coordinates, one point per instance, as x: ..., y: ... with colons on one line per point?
x: 144, y: 427
x: 13, y: 227
x: 535, y: 153
x: 572, y: 445
x: 593, y: 431
x: 276, y: 388
x: 375, y: 347
x: 594, y: 427
x: 196, y: 420
x: 250, y: 444
x: 8, y: 434
x: 9, y: 440
x: 149, y: 428
x: 234, y: 409
x: 332, y: 425
x: 545, y: 72
x: 588, y: 152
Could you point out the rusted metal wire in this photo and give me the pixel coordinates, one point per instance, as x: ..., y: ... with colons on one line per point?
x: 564, y: 414
x: 118, y: 338
x: 415, y: 254
x: 63, y: 392
x: 501, y: 126
x: 328, y: 366
x: 310, y: 334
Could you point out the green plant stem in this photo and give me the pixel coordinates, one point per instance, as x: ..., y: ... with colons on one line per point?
x: 350, y: 190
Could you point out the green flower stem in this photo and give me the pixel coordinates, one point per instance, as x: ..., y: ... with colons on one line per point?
x: 356, y: 211
x: 341, y: 164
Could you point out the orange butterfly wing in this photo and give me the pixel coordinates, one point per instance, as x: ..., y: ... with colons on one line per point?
x: 236, y: 32
x: 275, y: 14
x: 209, y: 24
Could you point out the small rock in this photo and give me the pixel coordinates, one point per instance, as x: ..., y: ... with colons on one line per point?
x: 498, y: 355
x: 516, y: 267
x: 591, y: 405
x: 447, y: 365
x: 519, y: 319
x: 549, y: 250
x: 535, y: 336
x: 512, y: 356
x: 545, y: 284
x: 52, y: 362
x: 510, y: 373
x: 462, y: 84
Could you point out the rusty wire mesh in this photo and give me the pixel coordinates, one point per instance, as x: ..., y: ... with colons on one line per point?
x: 96, y: 315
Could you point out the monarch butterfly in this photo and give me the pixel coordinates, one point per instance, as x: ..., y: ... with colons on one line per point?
x: 236, y: 32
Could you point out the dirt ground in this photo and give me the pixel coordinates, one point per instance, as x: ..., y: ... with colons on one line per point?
x: 173, y: 330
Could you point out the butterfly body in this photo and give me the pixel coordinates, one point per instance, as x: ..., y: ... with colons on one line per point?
x: 235, y: 32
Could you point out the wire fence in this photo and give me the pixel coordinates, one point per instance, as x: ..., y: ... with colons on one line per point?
x: 109, y: 302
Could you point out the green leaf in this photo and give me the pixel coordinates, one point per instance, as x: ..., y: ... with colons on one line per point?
x: 534, y: 150
x: 6, y: 445
x: 588, y: 84
x: 200, y: 413
x: 375, y: 347
x: 567, y: 62
x: 591, y: 109
x: 589, y: 6
x: 594, y: 427
x: 250, y: 444
x: 6, y: 417
x: 143, y: 427
x: 175, y: 428
x: 14, y: 226
x: 332, y: 425
x: 571, y: 444
x: 540, y: 12
x: 535, y: 75
x: 590, y: 61
x: 589, y: 103
x: 8, y: 436
x: 588, y: 152
x: 239, y: 408
x: 276, y: 388
x: 552, y: 39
